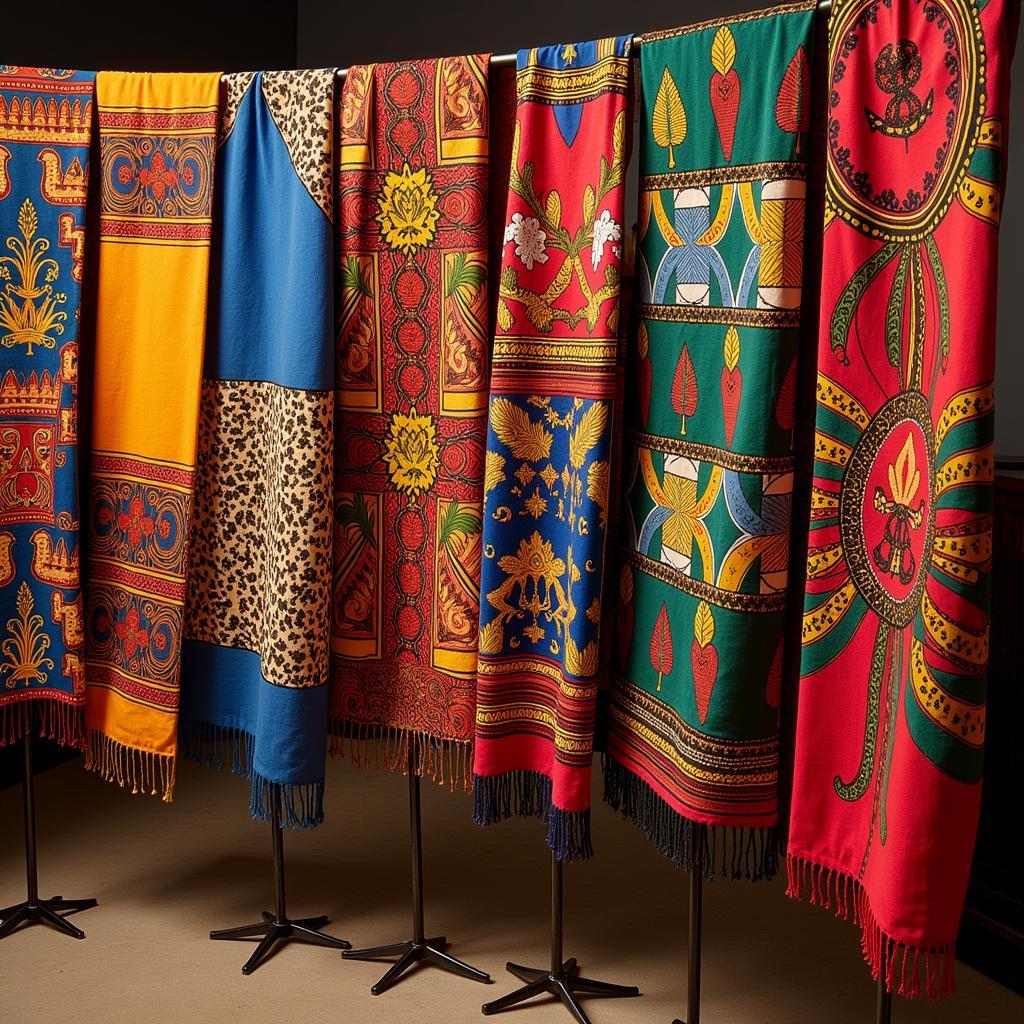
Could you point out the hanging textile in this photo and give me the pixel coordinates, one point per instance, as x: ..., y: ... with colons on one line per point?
x: 157, y: 144
x: 553, y: 385
x: 45, y: 125
x: 891, y: 713
x: 410, y: 412
x: 255, y: 659
x: 693, y: 734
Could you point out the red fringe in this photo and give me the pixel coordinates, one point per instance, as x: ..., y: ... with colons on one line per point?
x: 901, y: 965
x: 62, y: 722
x: 387, y: 747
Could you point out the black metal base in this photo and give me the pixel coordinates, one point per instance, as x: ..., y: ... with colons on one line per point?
x: 51, y: 912
x: 275, y: 931
x: 564, y: 986
x: 410, y: 953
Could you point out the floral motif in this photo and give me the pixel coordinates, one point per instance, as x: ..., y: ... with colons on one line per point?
x: 21, y: 319
x: 537, y: 574
x: 412, y: 452
x: 529, y: 238
x: 408, y: 213
x: 605, y: 230
x: 25, y: 648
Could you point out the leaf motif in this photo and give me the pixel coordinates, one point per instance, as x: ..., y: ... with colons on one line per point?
x: 553, y: 209
x: 494, y: 471
x: 792, y: 107
x: 27, y: 220
x: 894, y: 313
x: 464, y: 519
x: 731, y: 349
x: 524, y: 438
x: 597, y: 488
x: 626, y: 584
x: 684, y: 386
x: 589, y: 204
x: 703, y: 625
x: 723, y: 50
x: 668, y: 118
x: 580, y: 663
x: 353, y: 279
x: 642, y: 340
x: 492, y: 637
x: 661, y: 643
x: 785, y: 404
x: 587, y: 433
x: 24, y: 601
x: 504, y: 316
x: 619, y: 139
x: 357, y: 513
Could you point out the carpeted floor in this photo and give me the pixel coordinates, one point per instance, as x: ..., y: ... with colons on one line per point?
x: 165, y: 875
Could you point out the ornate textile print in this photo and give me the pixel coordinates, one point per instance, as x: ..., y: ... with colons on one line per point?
x: 157, y: 143
x: 693, y: 745
x: 411, y: 412
x: 45, y: 123
x: 255, y: 659
x: 552, y: 403
x: 891, y: 716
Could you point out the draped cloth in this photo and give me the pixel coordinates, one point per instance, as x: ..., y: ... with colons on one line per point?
x: 45, y: 127
x: 157, y: 148
x: 553, y: 387
x: 255, y: 661
x: 410, y: 412
x: 693, y: 728
x: 891, y: 711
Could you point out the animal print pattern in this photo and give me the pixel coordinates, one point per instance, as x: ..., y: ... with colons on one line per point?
x: 260, y: 558
x: 302, y: 105
x: 234, y: 87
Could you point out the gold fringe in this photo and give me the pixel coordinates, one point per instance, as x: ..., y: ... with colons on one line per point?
x: 387, y: 747
x: 142, y: 771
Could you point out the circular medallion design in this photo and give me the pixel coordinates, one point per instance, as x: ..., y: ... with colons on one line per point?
x: 887, y: 508
x: 903, y: 124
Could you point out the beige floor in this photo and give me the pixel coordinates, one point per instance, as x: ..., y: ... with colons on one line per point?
x: 164, y: 875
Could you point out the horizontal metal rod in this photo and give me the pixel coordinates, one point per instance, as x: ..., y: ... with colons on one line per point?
x: 500, y: 60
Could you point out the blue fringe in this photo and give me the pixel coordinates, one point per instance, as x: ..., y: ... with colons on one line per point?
x: 526, y: 794
x: 719, y: 850
x: 301, y: 803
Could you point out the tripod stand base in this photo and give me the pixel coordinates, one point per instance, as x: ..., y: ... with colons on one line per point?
x: 275, y: 931
x: 51, y: 912
x: 410, y: 953
x: 564, y: 986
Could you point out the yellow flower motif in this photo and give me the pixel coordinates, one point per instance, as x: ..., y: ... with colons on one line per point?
x: 408, y: 213
x: 412, y: 453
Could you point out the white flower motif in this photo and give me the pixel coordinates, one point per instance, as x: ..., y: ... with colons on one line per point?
x: 605, y: 230
x: 529, y: 238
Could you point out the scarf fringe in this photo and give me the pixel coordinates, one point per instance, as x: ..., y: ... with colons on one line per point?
x: 527, y: 794
x: 722, y: 850
x: 141, y: 771
x: 301, y: 803
x: 387, y: 747
x: 59, y: 721
x: 904, y: 967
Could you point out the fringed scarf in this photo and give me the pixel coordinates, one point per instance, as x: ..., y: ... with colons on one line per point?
x: 157, y: 145
x: 410, y: 413
x: 891, y: 714
x: 45, y: 126
x: 552, y: 398
x: 255, y: 660
x: 693, y: 744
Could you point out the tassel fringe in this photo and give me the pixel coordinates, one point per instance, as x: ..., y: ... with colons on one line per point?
x: 301, y: 804
x: 724, y: 851
x: 908, y: 970
x: 526, y: 794
x: 62, y: 722
x: 141, y: 771
x: 387, y: 747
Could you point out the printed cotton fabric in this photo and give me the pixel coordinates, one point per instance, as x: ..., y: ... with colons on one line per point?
x: 45, y: 127
x: 255, y: 659
x: 693, y: 743
x: 891, y: 713
x: 410, y: 412
x: 157, y: 148
x: 553, y: 392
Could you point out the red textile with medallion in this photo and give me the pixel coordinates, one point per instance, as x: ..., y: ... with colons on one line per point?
x: 891, y: 709
x: 411, y: 412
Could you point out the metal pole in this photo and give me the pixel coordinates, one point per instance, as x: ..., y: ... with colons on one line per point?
x: 696, y: 939
x: 278, y: 839
x: 28, y: 788
x: 416, y: 835
x: 557, y: 913
x: 883, y: 1014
